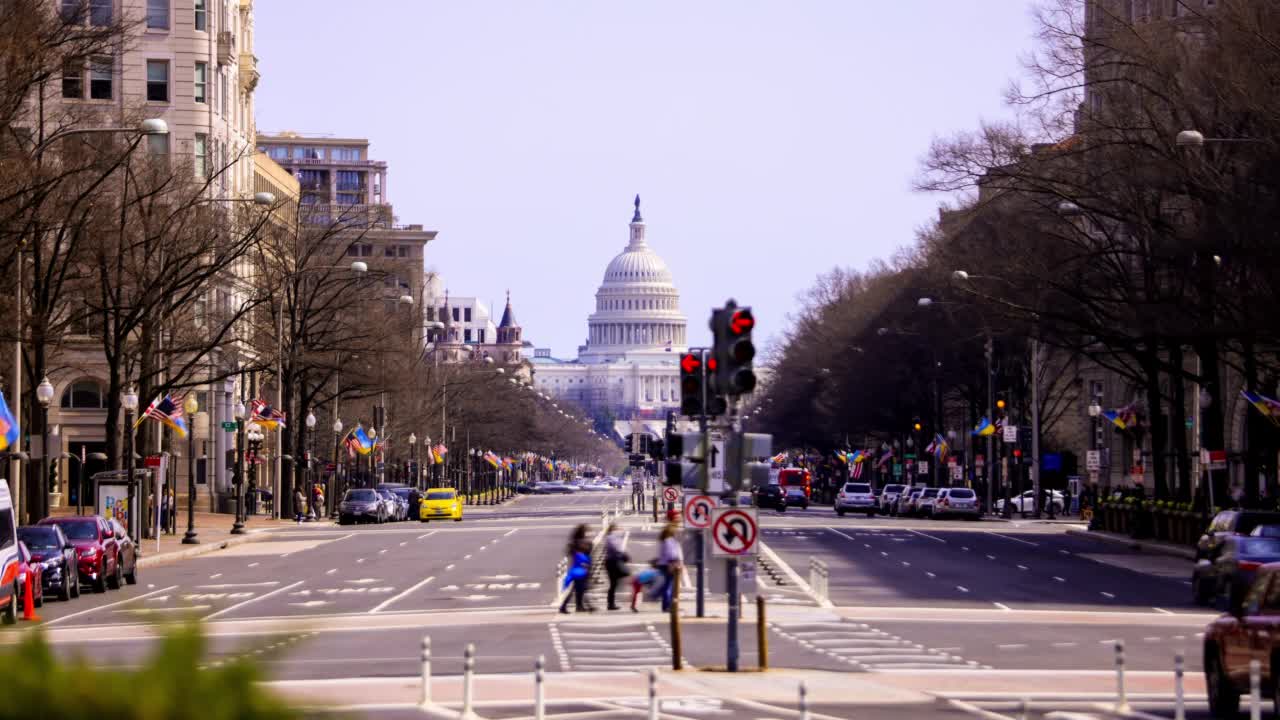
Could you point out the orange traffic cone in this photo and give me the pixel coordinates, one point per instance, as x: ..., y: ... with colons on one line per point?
x: 29, y: 601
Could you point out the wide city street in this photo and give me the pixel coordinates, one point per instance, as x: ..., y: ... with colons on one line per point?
x: 918, y: 612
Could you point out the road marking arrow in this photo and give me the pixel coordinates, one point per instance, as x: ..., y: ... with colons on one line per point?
x: 311, y: 603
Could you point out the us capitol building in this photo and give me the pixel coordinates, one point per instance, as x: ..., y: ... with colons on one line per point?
x: 628, y: 369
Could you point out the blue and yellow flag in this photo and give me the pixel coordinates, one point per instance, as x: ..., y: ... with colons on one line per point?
x: 984, y: 427
x: 1269, y: 407
x: 364, y: 445
x: 8, y: 427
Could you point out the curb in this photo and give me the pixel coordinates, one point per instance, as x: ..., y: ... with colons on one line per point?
x: 203, y: 549
x: 1156, y: 548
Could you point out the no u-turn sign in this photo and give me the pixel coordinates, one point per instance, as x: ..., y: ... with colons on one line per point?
x: 734, y: 531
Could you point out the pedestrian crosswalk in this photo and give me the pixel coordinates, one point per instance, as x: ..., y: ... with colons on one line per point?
x: 591, y: 646
x: 863, y: 647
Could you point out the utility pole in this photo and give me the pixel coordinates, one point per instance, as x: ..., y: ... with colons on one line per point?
x: 1035, y: 428
x: 990, y: 460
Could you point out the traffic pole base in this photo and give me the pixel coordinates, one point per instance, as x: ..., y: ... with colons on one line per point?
x: 29, y: 601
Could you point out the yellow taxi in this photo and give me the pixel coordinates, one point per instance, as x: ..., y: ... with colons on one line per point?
x: 440, y: 504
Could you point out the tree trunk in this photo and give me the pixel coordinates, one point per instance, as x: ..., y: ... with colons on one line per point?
x: 1179, y: 424
x: 1155, y: 418
x: 1212, y: 435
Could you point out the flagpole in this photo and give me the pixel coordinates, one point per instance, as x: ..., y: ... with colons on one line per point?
x: 279, y: 460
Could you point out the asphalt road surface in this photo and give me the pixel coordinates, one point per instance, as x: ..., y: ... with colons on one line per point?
x: 905, y: 598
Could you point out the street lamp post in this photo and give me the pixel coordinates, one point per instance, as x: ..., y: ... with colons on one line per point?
x: 373, y: 454
x: 255, y: 437
x: 237, y: 528
x: 44, y: 393
x: 191, y: 406
x: 431, y: 474
x: 413, y: 460
x: 130, y: 403
x: 333, y: 477
x: 308, y: 473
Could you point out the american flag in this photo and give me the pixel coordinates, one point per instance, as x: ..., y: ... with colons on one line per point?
x: 167, y: 411
x: 266, y: 416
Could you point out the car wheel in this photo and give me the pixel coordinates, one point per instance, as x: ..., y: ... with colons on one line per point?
x: 37, y: 591
x: 10, y: 614
x: 457, y: 519
x: 1224, y: 699
x: 131, y: 577
x: 100, y: 585
x: 75, y: 583
x: 114, y: 582
x: 64, y: 592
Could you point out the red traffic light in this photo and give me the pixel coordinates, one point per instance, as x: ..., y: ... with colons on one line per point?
x: 1017, y: 453
x: 741, y: 322
x: 690, y: 363
x: 711, y: 364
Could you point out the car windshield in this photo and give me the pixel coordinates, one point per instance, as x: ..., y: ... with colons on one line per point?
x: 440, y: 495
x: 964, y: 493
x: 893, y: 488
x: 1248, y: 521
x: 931, y: 492
x: 362, y: 495
x: 857, y: 488
x: 1259, y: 546
x: 39, y: 538
x: 80, y: 530
x: 402, y: 492
x: 1267, y: 531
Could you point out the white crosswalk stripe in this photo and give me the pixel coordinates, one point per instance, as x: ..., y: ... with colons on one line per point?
x: 867, y: 648
x: 588, y: 646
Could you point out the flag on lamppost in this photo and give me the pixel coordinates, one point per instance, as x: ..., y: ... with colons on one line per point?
x: 168, y: 412
x: 268, y: 417
x: 9, y: 433
x: 1269, y: 407
x: 985, y: 427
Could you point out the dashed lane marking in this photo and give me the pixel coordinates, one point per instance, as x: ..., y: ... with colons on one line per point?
x: 1002, y: 606
x: 215, y: 576
x: 109, y: 605
x: 930, y: 574
x: 962, y: 588
x: 406, y: 593
x: 1107, y: 595
x: 931, y: 537
x: 239, y: 605
x: 1055, y: 577
x: 253, y: 564
x: 1017, y: 540
x: 1023, y: 567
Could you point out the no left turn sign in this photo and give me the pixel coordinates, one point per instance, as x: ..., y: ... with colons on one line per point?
x: 734, y: 531
x: 697, y: 511
x: 671, y: 494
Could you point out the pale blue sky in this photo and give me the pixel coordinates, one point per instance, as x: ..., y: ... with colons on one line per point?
x: 769, y: 140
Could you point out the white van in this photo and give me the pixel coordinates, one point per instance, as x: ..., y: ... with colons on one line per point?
x: 8, y: 557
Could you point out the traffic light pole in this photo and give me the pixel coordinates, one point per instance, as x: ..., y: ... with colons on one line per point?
x: 699, y: 535
x: 731, y: 564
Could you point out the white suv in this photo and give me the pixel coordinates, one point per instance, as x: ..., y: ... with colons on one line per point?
x: 889, y: 498
x: 855, y: 497
x: 958, y: 501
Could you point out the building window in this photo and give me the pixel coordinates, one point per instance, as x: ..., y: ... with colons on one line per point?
x: 73, y: 79
x: 100, y: 79
x: 158, y: 144
x: 84, y: 395
x: 157, y: 81
x: 348, y: 199
x: 202, y: 156
x: 466, y: 314
x: 278, y: 153
x: 466, y: 336
x: 348, y: 180
x: 222, y: 88
x: 404, y: 251
x: 202, y: 78
x: 202, y: 15
x: 389, y: 251
x: 456, y: 317
x: 157, y: 14
x: 307, y: 153
x: 431, y: 313
x: 348, y: 154
x: 481, y: 333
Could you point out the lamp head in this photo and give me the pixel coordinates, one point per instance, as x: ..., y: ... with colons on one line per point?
x: 358, y: 267
x: 130, y: 400
x: 1189, y: 139
x: 337, y: 426
x: 191, y: 405
x: 44, y: 392
x: 153, y: 126
x: 238, y: 410
x: 311, y: 420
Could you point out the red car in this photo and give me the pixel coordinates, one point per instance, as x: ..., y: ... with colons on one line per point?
x: 1248, y: 631
x: 35, y: 568
x: 98, y: 552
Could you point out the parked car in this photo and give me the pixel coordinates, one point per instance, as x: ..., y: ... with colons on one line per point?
x: 1229, y: 523
x: 924, y: 503
x: 361, y: 505
x: 797, y: 497
x: 441, y: 504
x: 889, y: 498
x: 552, y: 488
x: 1266, y: 531
x: 97, y: 550
x: 1026, y: 502
x: 770, y: 496
x: 856, y: 497
x: 956, y: 502
x: 1245, y: 633
x: 1231, y: 573
x: 8, y: 558
x: 128, y: 552
x: 524, y: 489
x: 596, y: 486
x: 907, y: 501
x: 50, y: 546
x: 27, y: 565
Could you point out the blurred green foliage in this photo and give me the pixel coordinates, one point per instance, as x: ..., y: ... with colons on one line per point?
x: 168, y: 686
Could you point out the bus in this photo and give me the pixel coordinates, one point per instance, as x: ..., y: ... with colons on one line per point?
x: 796, y: 477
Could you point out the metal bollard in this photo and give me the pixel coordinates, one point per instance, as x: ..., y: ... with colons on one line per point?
x: 804, y: 701
x: 1122, y: 702
x: 426, y: 671
x: 468, y: 667
x: 1023, y: 705
x: 653, y: 694
x: 1179, y: 702
x: 1255, y: 690
x: 539, y: 698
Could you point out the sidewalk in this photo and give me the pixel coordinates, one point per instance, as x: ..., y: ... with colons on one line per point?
x: 213, y: 530
x: 1151, y: 546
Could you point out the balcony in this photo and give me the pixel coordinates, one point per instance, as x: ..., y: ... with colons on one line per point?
x: 249, y: 75
x: 226, y: 47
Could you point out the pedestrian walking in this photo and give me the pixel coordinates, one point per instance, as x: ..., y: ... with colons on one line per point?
x: 615, y: 563
x: 317, y: 508
x: 579, y: 574
x: 670, y: 560
x: 299, y: 505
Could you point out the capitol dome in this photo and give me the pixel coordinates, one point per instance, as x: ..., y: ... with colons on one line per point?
x: 637, y: 305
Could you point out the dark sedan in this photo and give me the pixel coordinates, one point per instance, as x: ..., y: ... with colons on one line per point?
x: 361, y: 505
x: 97, y: 550
x: 50, y: 546
x: 128, y: 552
x: 771, y: 496
x: 552, y: 488
x: 1229, y: 576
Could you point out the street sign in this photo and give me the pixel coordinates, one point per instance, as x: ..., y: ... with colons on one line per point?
x: 1215, y: 459
x: 1010, y: 433
x: 229, y: 426
x: 734, y: 531
x: 1093, y: 460
x: 922, y: 467
x: 957, y: 472
x: 897, y: 469
x: 697, y: 511
x: 715, y: 464
x: 670, y: 494
x: 152, y: 461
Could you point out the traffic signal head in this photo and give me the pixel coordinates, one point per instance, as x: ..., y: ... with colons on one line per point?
x: 692, y: 382
x: 733, y: 352
x: 916, y: 426
x: 1000, y: 404
x: 1017, y: 452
